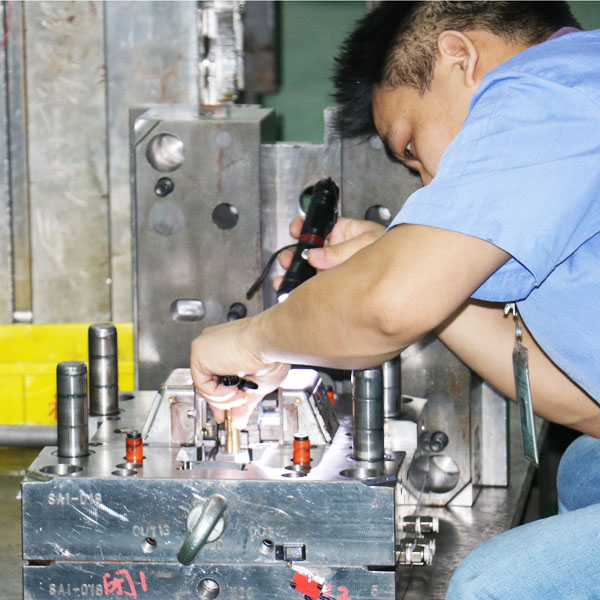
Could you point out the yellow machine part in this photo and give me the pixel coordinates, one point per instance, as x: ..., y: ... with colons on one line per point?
x: 28, y: 358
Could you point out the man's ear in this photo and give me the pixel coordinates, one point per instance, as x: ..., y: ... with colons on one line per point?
x: 458, y: 50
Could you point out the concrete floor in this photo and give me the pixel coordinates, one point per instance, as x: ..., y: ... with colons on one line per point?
x: 13, y: 462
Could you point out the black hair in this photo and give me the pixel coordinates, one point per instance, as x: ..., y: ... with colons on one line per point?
x: 396, y: 44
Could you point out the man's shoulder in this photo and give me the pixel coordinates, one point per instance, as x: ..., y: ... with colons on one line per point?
x: 569, y: 61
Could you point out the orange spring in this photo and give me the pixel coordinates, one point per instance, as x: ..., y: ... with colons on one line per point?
x: 301, y: 450
x: 134, y: 450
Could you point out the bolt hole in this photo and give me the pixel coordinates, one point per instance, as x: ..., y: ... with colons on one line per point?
x: 379, y: 214
x: 149, y: 545
x: 62, y: 469
x: 225, y: 216
x: 124, y: 472
x: 266, y: 547
x: 165, y: 152
x: 208, y: 589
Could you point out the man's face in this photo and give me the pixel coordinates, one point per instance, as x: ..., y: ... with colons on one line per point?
x: 417, y: 128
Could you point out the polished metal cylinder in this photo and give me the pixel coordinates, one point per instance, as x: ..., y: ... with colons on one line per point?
x: 104, y: 373
x: 368, y: 445
x: 392, y: 388
x: 367, y: 383
x: 367, y: 414
x: 72, y: 409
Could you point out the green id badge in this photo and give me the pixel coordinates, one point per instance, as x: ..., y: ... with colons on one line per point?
x: 520, y: 360
x: 521, y: 370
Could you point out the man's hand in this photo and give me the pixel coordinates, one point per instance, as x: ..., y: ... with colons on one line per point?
x: 227, y: 350
x: 347, y: 237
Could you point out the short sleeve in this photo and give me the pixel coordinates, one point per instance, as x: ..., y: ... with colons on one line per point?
x: 522, y: 174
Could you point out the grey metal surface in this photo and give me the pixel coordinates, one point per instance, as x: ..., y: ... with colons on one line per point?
x: 185, y: 250
x: 370, y: 179
x: 430, y: 370
x: 220, y: 59
x: 490, y: 454
x: 260, y: 49
x: 114, y: 513
x: 236, y: 582
x: 6, y: 291
x: 495, y: 510
x: 18, y: 168
x: 150, y: 58
x: 68, y: 173
x: 70, y: 71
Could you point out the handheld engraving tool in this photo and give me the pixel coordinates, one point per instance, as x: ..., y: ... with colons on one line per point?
x: 321, y: 217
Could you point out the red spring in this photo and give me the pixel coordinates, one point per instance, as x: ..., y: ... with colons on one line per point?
x: 134, y: 450
x: 301, y: 450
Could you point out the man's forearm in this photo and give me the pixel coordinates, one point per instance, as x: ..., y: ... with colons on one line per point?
x: 383, y: 298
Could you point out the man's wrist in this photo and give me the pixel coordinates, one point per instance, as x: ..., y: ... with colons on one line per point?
x: 252, y: 339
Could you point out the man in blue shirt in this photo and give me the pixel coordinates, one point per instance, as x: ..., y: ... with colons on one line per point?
x: 502, y: 124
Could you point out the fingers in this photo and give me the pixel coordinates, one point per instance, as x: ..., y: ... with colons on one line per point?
x: 335, y: 254
x: 285, y: 258
x: 346, y: 229
x: 296, y: 226
x: 347, y: 237
x: 241, y: 414
x: 218, y: 414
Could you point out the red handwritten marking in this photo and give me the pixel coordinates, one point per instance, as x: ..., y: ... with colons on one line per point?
x: 115, y: 585
x: 52, y: 412
x: 344, y: 595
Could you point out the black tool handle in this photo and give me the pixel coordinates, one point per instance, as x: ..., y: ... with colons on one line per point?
x: 321, y: 217
x: 234, y: 380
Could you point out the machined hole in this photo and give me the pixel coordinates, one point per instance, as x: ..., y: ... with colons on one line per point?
x: 361, y: 473
x: 225, y: 216
x: 62, y: 470
x: 438, y: 473
x: 165, y: 152
x: 208, y: 589
x: 149, y: 545
x: 187, y: 309
x: 129, y: 465
x: 267, y: 546
x: 124, y: 472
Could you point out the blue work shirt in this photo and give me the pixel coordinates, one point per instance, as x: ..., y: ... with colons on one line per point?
x: 524, y: 174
